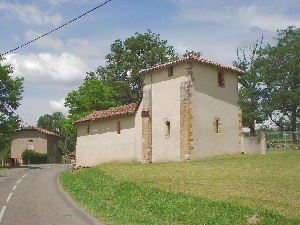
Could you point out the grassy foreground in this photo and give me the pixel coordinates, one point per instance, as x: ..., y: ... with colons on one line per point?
x: 240, y: 189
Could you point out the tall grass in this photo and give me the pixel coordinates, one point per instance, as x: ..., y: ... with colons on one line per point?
x: 241, y: 189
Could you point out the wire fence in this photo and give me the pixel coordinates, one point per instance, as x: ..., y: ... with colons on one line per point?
x: 284, y: 140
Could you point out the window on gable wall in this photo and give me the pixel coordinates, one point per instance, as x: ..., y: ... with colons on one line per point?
x: 217, y: 126
x: 221, y: 79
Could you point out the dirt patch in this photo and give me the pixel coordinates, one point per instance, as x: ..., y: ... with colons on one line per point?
x: 254, y: 219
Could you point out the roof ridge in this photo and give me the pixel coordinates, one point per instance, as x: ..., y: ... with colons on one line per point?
x: 42, y: 130
x: 111, y: 112
x: 195, y: 59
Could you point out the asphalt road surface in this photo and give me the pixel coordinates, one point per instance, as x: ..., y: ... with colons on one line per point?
x: 32, y: 195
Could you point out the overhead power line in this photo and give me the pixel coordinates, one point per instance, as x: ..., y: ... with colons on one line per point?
x: 16, y: 115
x: 71, y: 21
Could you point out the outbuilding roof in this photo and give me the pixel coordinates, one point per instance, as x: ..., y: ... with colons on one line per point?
x: 193, y: 59
x: 112, y: 112
x: 44, y: 131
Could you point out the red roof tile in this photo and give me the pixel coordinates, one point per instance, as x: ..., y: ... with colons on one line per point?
x: 113, y: 112
x: 193, y: 59
x: 44, y: 131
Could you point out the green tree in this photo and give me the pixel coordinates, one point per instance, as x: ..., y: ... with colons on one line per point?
x: 279, y: 66
x: 250, y: 85
x: 53, y: 123
x: 11, y: 90
x: 57, y: 123
x: 192, y: 53
x: 127, y: 58
x: 93, y: 95
x: 70, y: 135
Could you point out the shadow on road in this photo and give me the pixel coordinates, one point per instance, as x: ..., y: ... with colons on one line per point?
x: 21, y: 167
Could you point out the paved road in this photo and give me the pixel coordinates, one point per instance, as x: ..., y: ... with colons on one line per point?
x: 32, y: 195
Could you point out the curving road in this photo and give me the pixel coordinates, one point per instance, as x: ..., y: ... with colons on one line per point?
x: 32, y: 195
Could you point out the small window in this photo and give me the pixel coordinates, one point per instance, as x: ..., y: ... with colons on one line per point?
x: 221, y: 80
x: 118, y: 127
x: 30, y: 147
x: 170, y: 71
x: 167, y: 128
x: 217, y: 126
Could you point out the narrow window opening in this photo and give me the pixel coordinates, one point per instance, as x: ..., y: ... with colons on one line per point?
x: 170, y: 71
x: 168, y: 129
x: 221, y: 80
x: 118, y: 127
x: 217, y: 126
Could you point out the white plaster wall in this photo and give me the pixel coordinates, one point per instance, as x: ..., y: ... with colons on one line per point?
x: 209, y: 102
x: 166, y: 106
x: 103, y: 143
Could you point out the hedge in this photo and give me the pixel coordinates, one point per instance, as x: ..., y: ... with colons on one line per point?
x: 34, y: 157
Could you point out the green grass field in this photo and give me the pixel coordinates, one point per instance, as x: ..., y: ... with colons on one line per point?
x: 239, y: 189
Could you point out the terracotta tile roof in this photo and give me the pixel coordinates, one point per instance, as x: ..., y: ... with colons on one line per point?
x: 193, y: 59
x: 44, y: 131
x: 113, y: 112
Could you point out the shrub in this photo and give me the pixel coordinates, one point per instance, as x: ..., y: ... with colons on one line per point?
x: 34, y: 157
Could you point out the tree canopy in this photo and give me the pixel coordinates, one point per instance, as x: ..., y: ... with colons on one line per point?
x: 270, y: 89
x: 250, y: 85
x: 91, y: 96
x: 127, y: 58
x: 53, y: 123
x: 279, y: 66
x: 11, y: 90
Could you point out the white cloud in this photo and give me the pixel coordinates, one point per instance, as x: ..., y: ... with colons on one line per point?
x: 80, y: 47
x: 58, y: 105
x: 240, y: 15
x: 265, y: 18
x: 83, y: 48
x: 47, y: 69
x: 45, y: 41
x: 30, y: 14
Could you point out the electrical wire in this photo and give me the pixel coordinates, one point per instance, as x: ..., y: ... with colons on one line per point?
x: 29, y: 42
x: 71, y: 21
x: 12, y: 111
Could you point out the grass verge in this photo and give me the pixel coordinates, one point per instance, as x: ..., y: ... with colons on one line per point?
x: 244, y: 189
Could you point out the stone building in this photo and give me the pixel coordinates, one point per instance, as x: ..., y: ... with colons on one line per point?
x: 189, y: 110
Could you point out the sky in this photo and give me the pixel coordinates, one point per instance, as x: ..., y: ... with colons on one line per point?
x: 57, y: 63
